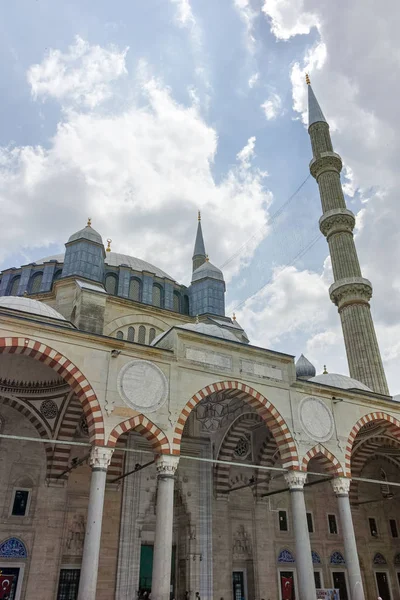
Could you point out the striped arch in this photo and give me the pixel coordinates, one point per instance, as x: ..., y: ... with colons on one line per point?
x: 392, y: 429
x: 69, y: 372
x: 325, y: 458
x: 151, y: 432
x: 39, y: 425
x: 66, y: 431
x: 236, y: 431
x: 367, y: 451
x: 264, y: 408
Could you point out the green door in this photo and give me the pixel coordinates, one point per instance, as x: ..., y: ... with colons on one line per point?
x: 146, y: 569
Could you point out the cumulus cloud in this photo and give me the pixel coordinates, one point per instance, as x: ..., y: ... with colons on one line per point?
x: 82, y: 75
x: 272, y: 107
x: 352, y: 74
x: 184, y: 13
x: 141, y: 174
x: 248, y: 15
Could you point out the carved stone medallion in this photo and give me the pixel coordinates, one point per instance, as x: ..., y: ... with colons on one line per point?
x: 316, y: 419
x: 142, y: 385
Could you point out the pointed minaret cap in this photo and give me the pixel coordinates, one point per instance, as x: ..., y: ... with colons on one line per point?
x: 199, y: 252
x: 304, y: 369
x: 315, y: 114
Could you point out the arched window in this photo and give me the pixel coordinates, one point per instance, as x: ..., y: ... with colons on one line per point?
x: 177, y: 302
x: 142, y: 335
x: 13, y: 548
x: 36, y: 282
x: 157, y: 295
x: 135, y: 289
x: 285, y: 556
x: 57, y: 275
x: 111, y: 284
x: 120, y: 335
x: 14, y: 286
x: 185, y: 305
x: 131, y: 334
x: 152, y: 334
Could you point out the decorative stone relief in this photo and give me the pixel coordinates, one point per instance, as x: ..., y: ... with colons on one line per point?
x: 75, y: 535
x: 100, y: 457
x: 316, y: 419
x: 142, y: 385
x: 13, y: 548
x: 337, y: 558
x: 261, y: 370
x: 49, y: 409
x: 222, y: 361
x: 295, y: 479
x: 350, y: 290
x: 379, y: 559
x: 242, y: 449
x: 167, y: 464
x: 285, y: 556
x: 341, y: 486
x: 241, y: 543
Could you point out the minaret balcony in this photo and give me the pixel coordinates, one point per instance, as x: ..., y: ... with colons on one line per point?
x: 326, y: 161
x: 350, y: 290
x: 337, y: 220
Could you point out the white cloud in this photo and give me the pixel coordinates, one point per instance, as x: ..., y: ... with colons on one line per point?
x: 272, y: 107
x: 82, y: 75
x: 351, y: 69
x: 248, y: 15
x: 254, y: 79
x: 141, y: 174
x: 184, y: 13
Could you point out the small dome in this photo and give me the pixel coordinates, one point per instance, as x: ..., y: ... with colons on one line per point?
x: 28, y: 305
x: 304, y: 369
x: 213, y: 330
x: 87, y: 233
x: 340, y: 381
x: 207, y: 269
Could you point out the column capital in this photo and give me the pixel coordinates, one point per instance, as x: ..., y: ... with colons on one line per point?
x: 341, y: 486
x: 100, y: 457
x: 295, y: 479
x: 166, y: 464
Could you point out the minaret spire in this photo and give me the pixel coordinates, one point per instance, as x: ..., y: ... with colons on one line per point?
x: 350, y: 292
x: 199, y: 252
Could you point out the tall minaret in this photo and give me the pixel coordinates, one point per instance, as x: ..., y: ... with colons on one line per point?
x: 199, y: 252
x: 350, y: 292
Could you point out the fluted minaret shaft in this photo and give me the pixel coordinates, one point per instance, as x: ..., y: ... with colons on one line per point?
x: 350, y: 292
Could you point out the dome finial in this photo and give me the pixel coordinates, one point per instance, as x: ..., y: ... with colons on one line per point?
x: 308, y: 82
x: 108, y: 249
x: 197, y: 319
x: 199, y: 216
x: 324, y: 372
x: 234, y: 317
x: 89, y: 222
x: 207, y: 259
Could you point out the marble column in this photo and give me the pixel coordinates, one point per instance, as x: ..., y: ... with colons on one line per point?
x: 100, y: 458
x: 166, y: 466
x: 341, y: 487
x: 304, y: 566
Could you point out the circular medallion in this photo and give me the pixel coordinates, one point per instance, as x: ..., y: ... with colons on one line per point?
x: 142, y: 385
x: 49, y: 409
x: 316, y: 419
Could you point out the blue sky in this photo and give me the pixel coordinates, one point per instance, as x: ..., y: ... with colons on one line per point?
x: 139, y: 113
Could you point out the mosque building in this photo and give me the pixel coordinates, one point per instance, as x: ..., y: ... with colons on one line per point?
x: 148, y: 446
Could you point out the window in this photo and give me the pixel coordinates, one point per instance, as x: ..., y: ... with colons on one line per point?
x: 372, y: 527
x: 177, y: 302
x: 131, y: 334
x: 111, y: 285
x: 393, y: 528
x: 332, y: 524
x: 135, y: 288
x: 152, y: 335
x: 14, y: 286
x: 310, y: 523
x: 20, y: 504
x: 317, y: 579
x: 142, y: 335
x: 185, y: 305
x: 68, y: 584
x: 36, y: 282
x: 157, y: 295
x: 120, y: 335
x: 283, y: 522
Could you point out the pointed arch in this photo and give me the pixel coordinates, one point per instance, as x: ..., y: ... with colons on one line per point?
x: 69, y: 372
x: 151, y: 432
x: 267, y: 457
x: 329, y: 462
x: 369, y: 418
x: 273, y: 419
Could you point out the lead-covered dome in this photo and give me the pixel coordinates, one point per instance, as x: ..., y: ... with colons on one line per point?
x: 87, y: 233
x: 213, y: 330
x: 304, y: 369
x: 207, y: 269
x: 28, y: 305
x: 340, y: 381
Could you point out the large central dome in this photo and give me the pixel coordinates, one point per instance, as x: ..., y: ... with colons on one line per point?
x: 114, y: 259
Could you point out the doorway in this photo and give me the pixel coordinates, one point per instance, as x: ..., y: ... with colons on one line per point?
x: 238, y: 585
x: 146, y: 569
x: 339, y: 583
x: 15, y: 572
x: 382, y: 583
x: 287, y: 585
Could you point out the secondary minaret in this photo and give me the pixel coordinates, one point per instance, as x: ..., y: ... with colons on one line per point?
x: 350, y: 292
